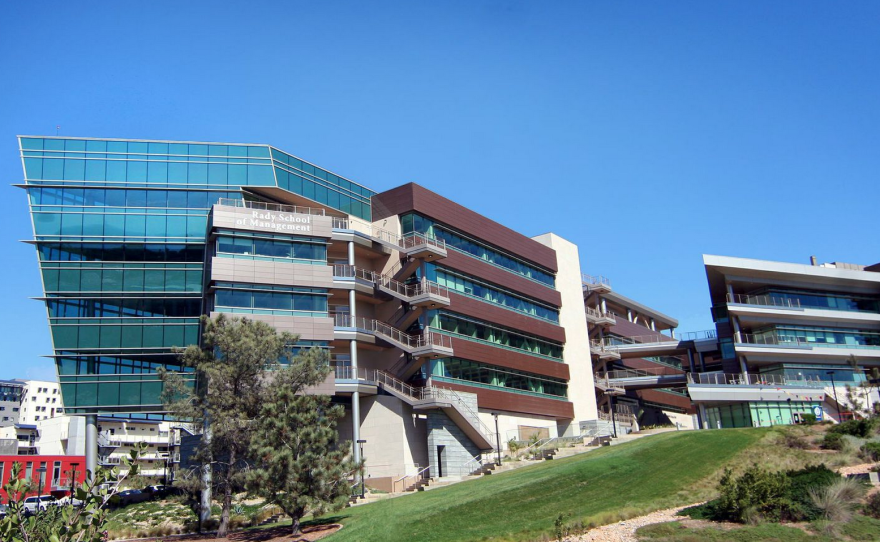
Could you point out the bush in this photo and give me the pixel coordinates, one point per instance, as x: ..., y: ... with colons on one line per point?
x: 775, y: 496
x: 857, y: 428
x: 871, y: 451
x: 832, y: 441
x: 872, y: 507
x: 809, y: 419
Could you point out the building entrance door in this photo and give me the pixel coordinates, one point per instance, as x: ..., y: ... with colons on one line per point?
x: 441, y: 461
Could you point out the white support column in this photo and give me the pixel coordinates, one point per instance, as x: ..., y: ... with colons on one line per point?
x: 355, y: 395
x: 704, y: 419
x: 91, y: 446
x: 653, y: 325
x: 603, y: 307
x: 736, y: 329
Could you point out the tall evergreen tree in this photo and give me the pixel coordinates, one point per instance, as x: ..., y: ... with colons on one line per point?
x: 299, y: 465
x: 230, y: 365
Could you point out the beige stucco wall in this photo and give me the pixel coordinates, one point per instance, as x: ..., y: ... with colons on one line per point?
x: 573, y: 318
x: 267, y: 272
x: 308, y: 328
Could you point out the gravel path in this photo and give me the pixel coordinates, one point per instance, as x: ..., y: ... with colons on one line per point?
x: 856, y: 469
x: 625, y: 531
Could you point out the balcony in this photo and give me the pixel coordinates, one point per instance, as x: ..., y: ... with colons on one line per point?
x: 596, y: 283
x: 419, y: 245
x: 780, y: 344
x: 600, y: 318
x: 735, y: 387
x: 763, y: 308
x: 597, y: 348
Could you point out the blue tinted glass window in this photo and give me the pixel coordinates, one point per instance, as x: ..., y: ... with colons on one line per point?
x: 53, y: 169
x: 32, y: 143
x: 96, y: 146
x: 117, y: 146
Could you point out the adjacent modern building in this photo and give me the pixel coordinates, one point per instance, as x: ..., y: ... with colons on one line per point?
x: 805, y: 331
x: 52, y: 475
x: 449, y: 333
x: 615, y: 319
x: 10, y: 402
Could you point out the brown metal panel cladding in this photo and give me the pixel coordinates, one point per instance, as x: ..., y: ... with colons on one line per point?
x: 625, y: 328
x: 490, y: 273
x: 500, y: 357
x: 671, y: 399
x: 412, y: 197
x: 516, y: 402
x: 492, y: 314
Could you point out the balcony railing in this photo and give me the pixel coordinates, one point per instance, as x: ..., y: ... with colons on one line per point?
x: 600, y: 315
x: 764, y: 301
x: 737, y: 379
x: 617, y: 374
x: 415, y: 239
x: 697, y: 335
x: 595, y: 281
x: 777, y: 339
x: 411, y: 342
x: 264, y: 206
x: 614, y: 343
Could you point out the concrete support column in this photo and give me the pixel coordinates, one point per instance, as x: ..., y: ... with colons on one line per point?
x: 704, y: 419
x: 355, y: 396
x: 691, y: 359
x: 736, y: 329
x: 742, y: 366
x: 730, y: 297
x: 702, y: 362
x: 602, y: 306
x: 672, y: 331
x: 91, y: 446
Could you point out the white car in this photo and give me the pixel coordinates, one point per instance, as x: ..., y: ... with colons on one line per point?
x: 68, y: 500
x: 32, y: 505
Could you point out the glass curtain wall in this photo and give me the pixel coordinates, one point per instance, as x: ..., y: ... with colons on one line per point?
x: 120, y: 232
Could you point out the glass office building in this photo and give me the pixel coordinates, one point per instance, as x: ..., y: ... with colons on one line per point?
x: 120, y: 232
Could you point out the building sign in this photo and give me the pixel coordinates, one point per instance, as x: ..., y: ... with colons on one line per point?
x: 281, y: 222
x: 817, y: 411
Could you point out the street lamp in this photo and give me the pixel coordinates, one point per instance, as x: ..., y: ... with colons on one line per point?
x: 833, y: 387
x: 73, y: 480
x: 613, y: 421
x: 361, y: 443
x: 42, y: 471
x: 497, y: 441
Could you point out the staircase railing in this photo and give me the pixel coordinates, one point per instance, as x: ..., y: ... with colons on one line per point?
x: 420, y: 475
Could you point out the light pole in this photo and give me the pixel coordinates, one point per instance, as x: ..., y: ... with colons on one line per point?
x: 833, y: 387
x: 613, y: 421
x: 361, y: 443
x: 73, y: 480
x: 497, y: 441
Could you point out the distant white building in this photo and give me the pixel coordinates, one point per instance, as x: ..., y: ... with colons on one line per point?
x: 40, y: 400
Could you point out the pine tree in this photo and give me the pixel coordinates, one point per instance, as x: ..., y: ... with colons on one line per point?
x: 299, y: 465
x: 230, y: 365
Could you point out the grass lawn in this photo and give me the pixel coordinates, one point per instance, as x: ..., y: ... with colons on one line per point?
x: 620, y: 481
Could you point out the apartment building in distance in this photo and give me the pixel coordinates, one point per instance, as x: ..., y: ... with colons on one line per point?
x: 615, y: 319
x: 10, y: 402
x: 40, y: 400
x: 441, y: 323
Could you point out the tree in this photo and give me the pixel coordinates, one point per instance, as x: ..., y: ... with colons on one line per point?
x: 65, y: 523
x: 230, y: 365
x: 299, y: 465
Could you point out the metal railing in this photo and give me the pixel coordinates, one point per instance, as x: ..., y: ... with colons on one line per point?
x: 412, y: 342
x: 738, y: 379
x: 414, y: 239
x: 612, y: 343
x: 420, y: 475
x: 265, y: 206
x: 764, y: 300
x: 617, y: 374
x: 595, y: 280
x: 596, y: 313
x: 453, y: 397
x: 776, y: 339
x: 407, y: 290
x: 698, y: 335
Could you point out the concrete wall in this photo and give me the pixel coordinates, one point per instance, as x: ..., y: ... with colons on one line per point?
x: 458, y: 449
x: 573, y: 317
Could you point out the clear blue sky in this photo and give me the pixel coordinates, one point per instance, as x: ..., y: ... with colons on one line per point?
x: 646, y: 132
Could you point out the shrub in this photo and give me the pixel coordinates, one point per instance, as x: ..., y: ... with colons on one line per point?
x: 793, y: 441
x: 872, y: 507
x: 871, y: 451
x: 762, y: 495
x: 832, y: 441
x: 809, y: 419
x: 857, y: 428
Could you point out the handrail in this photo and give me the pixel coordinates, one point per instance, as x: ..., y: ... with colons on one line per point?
x: 617, y: 374
x: 385, y: 281
x: 596, y: 313
x: 738, y: 379
x: 639, y: 340
x: 413, y: 239
x: 777, y: 339
x: 595, y: 280
x: 266, y: 206
x: 764, y: 300
x: 416, y: 476
x: 537, y: 444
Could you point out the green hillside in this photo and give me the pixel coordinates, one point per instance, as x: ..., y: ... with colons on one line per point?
x: 640, y: 476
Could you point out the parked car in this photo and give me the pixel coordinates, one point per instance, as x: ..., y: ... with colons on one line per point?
x: 156, y: 492
x: 3, y: 510
x: 132, y: 496
x: 32, y: 505
x: 69, y: 500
